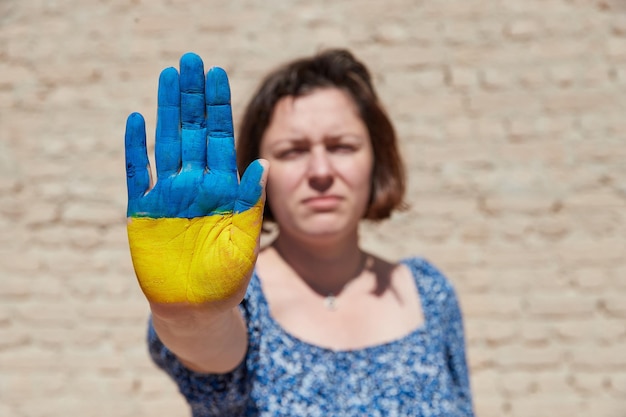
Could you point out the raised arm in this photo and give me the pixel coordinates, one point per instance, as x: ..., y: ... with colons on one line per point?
x: 194, y: 233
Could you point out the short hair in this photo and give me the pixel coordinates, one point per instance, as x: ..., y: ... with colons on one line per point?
x: 336, y: 68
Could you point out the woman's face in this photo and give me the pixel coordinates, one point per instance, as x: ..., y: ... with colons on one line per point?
x: 321, y: 162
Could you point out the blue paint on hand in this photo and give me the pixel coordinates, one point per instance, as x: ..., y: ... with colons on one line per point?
x: 194, y: 150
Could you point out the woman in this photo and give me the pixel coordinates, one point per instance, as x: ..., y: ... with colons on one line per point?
x: 310, y: 325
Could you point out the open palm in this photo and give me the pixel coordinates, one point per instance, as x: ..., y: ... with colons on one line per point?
x: 194, y: 234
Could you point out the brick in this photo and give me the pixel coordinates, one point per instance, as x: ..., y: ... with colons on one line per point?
x: 475, y: 232
x: 552, y: 49
x: 590, y: 383
x: 442, y: 205
x: 459, y: 33
x: 613, y: 305
x: 498, y: 333
x: 520, y: 203
x: 490, y: 407
x: 485, y: 306
x: 490, y: 128
x: 480, y: 360
x: 564, y: 76
x: 586, y: 252
x: 391, y: 33
x: 11, y: 338
x: 504, y: 103
x: 560, y: 306
x: 471, y: 280
x: 528, y: 358
x: 596, y: 75
x: 536, y: 333
x: 117, y: 312
x: 130, y: 336
x: 558, y: 383
x: 156, y: 386
x: 429, y: 105
x: 60, y: 234
x: 597, y: 358
x: 7, y: 314
x: 103, y: 384
x: 175, y: 407
x: 401, y: 57
x: 15, y: 289
x: 435, y: 232
x: 91, y: 213
x: 426, y: 79
x: 589, y: 279
x: 100, y: 360
x: 57, y: 337
x: 460, y: 128
x: 575, y: 101
x: 46, y: 287
x: 510, y: 256
x: 8, y: 410
x: 485, y: 382
x: 532, y: 77
x: 463, y: 78
x: 69, y: 404
x: 616, y: 48
x: 609, y: 407
x: 618, y: 383
x: 523, y: 29
x: 512, y: 281
x: 517, y: 383
x: 546, y: 405
x: 492, y: 79
x: 552, y: 227
x: 596, y: 199
x: 33, y: 386
x: 601, y: 330
x: 617, y: 277
x: 30, y: 359
x: 42, y: 213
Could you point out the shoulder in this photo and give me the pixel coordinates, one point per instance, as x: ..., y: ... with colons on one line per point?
x: 431, y: 282
x: 424, y: 269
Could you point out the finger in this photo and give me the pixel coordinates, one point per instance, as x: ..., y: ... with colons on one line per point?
x: 221, y: 144
x: 167, y: 147
x: 137, y: 164
x: 192, y: 114
x: 252, y: 186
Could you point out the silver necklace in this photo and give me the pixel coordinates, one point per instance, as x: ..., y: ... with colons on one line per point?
x: 330, y: 302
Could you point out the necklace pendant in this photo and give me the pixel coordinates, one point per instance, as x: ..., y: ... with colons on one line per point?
x: 330, y: 302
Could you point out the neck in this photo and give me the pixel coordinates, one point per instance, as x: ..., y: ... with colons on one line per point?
x: 325, y: 267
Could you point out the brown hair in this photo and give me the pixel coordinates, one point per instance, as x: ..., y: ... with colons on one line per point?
x: 336, y: 68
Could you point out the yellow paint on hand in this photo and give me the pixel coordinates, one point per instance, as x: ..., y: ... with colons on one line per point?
x: 197, y: 260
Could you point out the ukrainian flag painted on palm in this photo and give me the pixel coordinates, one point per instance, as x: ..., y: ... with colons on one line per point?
x: 193, y: 235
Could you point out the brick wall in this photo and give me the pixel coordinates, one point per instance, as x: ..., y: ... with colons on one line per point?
x: 513, y: 124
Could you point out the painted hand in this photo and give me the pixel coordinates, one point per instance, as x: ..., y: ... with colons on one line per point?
x: 194, y: 234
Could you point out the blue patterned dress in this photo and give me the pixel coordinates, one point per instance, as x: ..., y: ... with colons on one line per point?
x: 421, y: 374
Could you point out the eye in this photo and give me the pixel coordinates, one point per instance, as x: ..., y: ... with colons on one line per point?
x: 342, y: 148
x: 291, y: 153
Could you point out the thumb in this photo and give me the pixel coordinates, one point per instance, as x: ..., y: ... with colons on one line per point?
x: 252, y: 186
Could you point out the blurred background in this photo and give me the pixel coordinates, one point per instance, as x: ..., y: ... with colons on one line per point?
x: 512, y: 121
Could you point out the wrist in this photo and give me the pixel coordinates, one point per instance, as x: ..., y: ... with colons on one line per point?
x: 180, y: 320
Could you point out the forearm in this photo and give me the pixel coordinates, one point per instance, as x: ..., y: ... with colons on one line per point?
x: 207, y: 342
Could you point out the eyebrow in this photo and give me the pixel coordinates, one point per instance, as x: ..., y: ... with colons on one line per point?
x: 335, y: 137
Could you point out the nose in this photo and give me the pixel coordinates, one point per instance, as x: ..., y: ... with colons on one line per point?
x: 320, y: 170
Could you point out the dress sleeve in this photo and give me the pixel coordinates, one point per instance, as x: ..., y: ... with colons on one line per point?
x: 454, y: 342
x: 207, y: 394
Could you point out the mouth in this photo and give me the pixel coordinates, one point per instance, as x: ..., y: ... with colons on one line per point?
x: 323, y: 203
